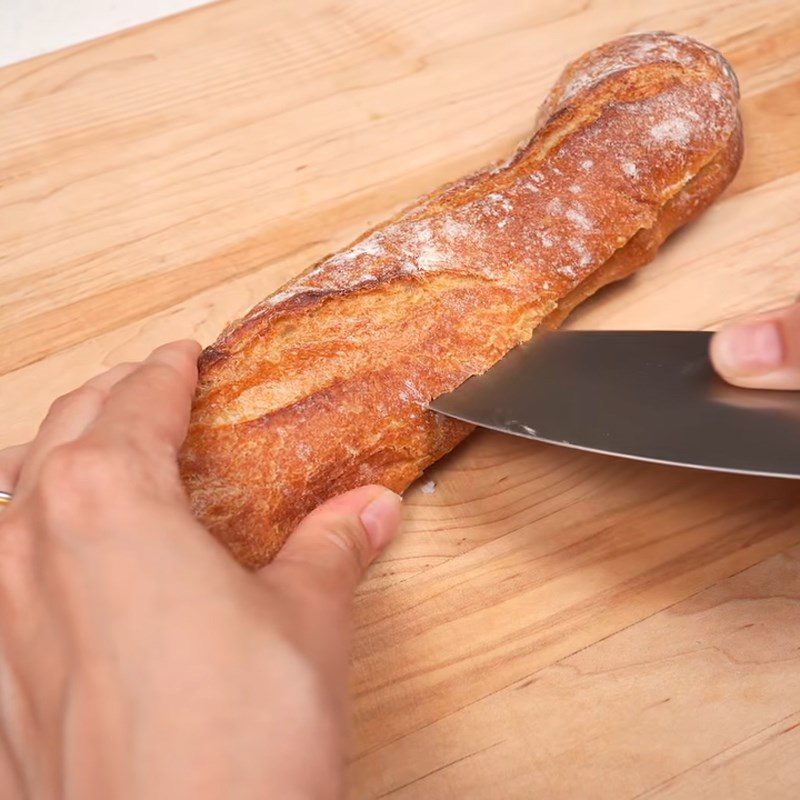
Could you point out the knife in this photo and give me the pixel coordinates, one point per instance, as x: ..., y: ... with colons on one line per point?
x: 646, y: 395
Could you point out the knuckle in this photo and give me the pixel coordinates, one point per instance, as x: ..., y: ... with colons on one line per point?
x: 74, y: 475
x: 331, y: 554
x: 83, y: 395
x: 161, y: 373
x: 348, y: 535
x: 69, y: 461
x: 57, y: 407
x: 106, y: 381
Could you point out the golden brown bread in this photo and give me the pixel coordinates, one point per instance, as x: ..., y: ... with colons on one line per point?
x: 321, y: 387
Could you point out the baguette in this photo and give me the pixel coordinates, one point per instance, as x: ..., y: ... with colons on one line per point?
x: 322, y: 386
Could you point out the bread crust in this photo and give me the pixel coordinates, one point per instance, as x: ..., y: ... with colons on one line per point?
x: 322, y: 386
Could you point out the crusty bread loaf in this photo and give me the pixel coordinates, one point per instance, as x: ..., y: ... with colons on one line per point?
x: 322, y: 386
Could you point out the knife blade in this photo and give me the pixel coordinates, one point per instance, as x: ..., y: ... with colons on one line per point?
x: 646, y: 395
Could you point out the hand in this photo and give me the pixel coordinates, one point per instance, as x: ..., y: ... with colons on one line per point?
x: 137, y: 658
x: 762, y: 351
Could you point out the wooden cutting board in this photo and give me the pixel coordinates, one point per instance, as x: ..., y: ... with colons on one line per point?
x: 551, y: 623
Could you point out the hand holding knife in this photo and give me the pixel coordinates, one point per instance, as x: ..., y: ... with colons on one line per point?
x: 652, y: 395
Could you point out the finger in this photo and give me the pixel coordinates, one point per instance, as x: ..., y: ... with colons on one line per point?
x: 333, y: 546
x: 152, y: 404
x: 68, y: 417
x: 10, y: 465
x: 761, y: 352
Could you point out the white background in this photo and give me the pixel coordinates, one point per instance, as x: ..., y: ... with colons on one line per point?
x: 31, y: 27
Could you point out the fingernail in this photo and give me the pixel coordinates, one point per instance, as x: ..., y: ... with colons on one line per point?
x: 750, y: 349
x: 381, y: 518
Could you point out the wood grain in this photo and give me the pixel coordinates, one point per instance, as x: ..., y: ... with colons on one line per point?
x: 550, y: 623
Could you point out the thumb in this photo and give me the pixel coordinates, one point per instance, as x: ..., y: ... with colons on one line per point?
x: 333, y: 546
x: 761, y: 352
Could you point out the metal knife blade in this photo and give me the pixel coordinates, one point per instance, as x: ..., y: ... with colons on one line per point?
x: 647, y: 395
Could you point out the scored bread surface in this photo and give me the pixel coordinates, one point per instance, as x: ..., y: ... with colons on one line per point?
x: 322, y: 386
